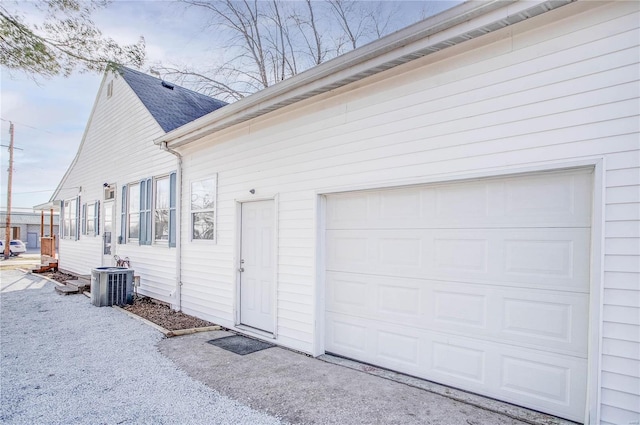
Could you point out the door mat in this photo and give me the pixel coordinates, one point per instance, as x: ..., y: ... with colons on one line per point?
x: 240, y: 344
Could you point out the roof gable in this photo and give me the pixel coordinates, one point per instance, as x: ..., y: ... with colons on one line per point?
x: 172, y: 106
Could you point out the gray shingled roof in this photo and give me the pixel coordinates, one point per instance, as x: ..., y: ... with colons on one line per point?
x: 172, y: 106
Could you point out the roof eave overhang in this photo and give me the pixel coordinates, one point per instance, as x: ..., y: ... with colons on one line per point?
x: 47, y: 206
x: 465, y: 22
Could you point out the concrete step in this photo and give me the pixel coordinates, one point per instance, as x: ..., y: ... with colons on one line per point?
x: 84, y: 280
x: 79, y: 284
x: 67, y: 290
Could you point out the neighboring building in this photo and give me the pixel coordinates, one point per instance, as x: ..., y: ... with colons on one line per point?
x: 459, y: 201
x: 25, y: 226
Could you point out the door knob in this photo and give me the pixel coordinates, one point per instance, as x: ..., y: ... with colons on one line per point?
x: 241, y: 269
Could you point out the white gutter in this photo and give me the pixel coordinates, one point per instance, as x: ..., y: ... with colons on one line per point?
x: 177, y: 293
x: 469, y: 20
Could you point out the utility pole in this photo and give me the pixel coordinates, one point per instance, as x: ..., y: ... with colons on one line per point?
x: 7, y: 235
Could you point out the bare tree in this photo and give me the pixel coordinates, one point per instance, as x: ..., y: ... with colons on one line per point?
x: 344, y: 11
x: 316, y: 50
x: 270, y: 41
x: 65, y: 40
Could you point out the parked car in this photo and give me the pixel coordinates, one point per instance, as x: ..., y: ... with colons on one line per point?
x: 16, y: 247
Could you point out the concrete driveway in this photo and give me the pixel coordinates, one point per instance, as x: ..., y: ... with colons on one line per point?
x: 304, y: 390
x: 66, y: 361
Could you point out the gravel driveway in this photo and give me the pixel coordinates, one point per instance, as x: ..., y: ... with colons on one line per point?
x: 64, y: 361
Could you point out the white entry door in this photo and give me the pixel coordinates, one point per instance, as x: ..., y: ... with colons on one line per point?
x: 107, y: 232
x: 257, y: 265
x: 482, y: 285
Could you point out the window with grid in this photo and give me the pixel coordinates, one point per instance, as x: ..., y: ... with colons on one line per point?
x: 161, y: 209
x: 70, y: 222
x: 133, y: 212
x: 203, y: 209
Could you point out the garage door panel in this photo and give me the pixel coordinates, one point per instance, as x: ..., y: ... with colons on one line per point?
x: 460, y: 308
x: 458, y: 362
x: 541, y: 258
x: 546, y: 382
x: 538, y: 319
x: 551, y: 200
x: 349, y: 337
x: 482, y: 285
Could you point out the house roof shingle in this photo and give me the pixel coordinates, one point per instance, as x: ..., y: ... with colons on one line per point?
x: 172, y: 106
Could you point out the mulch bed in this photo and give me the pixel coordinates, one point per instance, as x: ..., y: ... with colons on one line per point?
x: 147, y: 308
x: 163, y: 315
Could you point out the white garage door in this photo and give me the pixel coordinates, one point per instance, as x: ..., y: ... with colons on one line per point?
x: 482, y: 285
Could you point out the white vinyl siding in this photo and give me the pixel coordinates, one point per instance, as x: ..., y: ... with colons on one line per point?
x: 558, y: 89
x: 118, y: 149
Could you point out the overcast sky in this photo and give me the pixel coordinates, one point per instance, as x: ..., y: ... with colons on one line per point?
x: 50, y: 115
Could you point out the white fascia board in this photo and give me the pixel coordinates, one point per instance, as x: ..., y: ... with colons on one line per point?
x: 51, y: 205
x: 454, y: 26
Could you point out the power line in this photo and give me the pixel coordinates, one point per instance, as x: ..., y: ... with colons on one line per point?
x: 43, y: 190
x: 29, y: 126
x: 35, y: 191
x: 7, y: 146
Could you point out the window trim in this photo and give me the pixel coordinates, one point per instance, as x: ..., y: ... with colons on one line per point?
x: 68, y: 218
x: 89, y: 217
x: 146, y: 211
x: 122, y: 239
x: 129, y: 213
x: 83, y: 219
x: 96, y: 219
x: 153, y: 209
x: 214, y: 209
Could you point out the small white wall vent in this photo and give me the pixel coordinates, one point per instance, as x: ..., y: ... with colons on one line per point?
x: 110, y: 89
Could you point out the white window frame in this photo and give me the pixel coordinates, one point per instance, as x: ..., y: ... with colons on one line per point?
x: 70, y: 217
x: 154, y: 209
x: 133, y: 209
x: 213, y: 209
x: 135, y: 212
x: 89, y: 217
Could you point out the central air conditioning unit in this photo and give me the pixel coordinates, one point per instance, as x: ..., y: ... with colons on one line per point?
x: 111, y: 286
